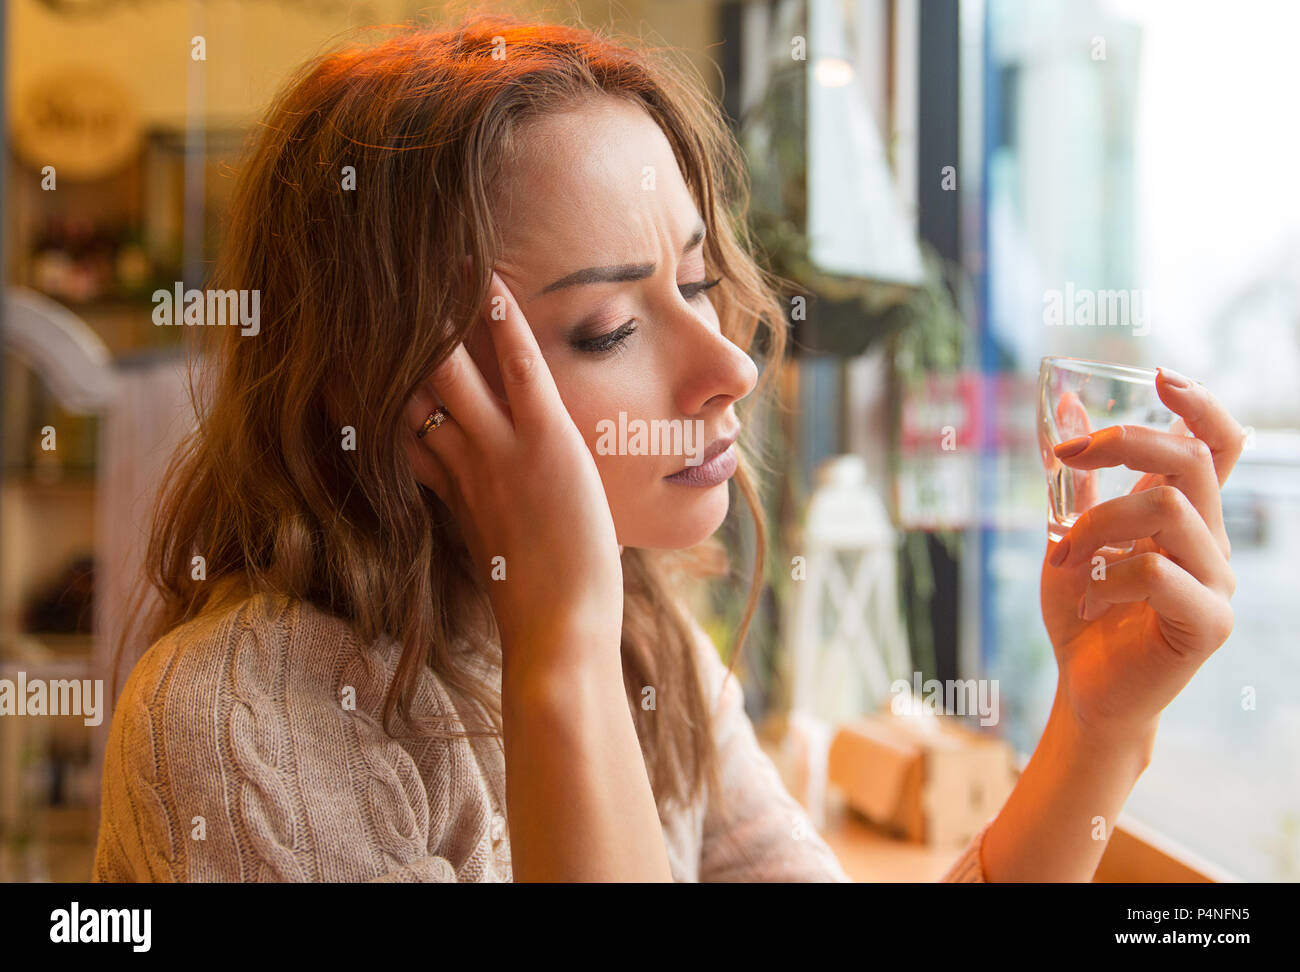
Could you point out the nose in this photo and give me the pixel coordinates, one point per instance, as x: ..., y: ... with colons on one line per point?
x: 715, y: 371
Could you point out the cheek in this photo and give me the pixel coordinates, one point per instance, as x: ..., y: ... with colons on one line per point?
x: 629, y: 488
x: 594, y: 404
x: 625, y: 476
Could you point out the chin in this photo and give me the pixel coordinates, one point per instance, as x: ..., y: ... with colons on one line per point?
x: 679, y: 520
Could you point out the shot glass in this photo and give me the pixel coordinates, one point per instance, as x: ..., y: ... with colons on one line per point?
x: 1076, y: 397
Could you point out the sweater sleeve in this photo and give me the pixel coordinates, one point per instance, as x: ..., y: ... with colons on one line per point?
x: 239, y: 759
x: 758, y: 832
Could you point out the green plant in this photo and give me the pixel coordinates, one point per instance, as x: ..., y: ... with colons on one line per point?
x: 843, y: 315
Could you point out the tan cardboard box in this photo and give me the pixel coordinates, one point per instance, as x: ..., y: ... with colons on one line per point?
x: 931, y: 781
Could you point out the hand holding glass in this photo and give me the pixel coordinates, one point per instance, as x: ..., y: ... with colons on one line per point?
x: 1077, y: 397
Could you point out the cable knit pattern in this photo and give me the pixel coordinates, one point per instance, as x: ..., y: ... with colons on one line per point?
x: 248, y: 745
x: 155, y: 819
x: 270, y: 816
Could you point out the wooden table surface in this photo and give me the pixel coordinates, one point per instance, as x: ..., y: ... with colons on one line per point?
x: 869, y: 855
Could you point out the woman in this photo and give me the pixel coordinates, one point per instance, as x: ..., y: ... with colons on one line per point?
x: 403, y: 560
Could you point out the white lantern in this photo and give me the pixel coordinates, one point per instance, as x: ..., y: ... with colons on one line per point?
x: 845, y: 643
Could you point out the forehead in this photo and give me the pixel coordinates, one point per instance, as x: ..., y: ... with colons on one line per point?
x: 598, y: 183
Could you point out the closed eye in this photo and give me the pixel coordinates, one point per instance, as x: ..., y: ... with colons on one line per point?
x: 691, y: 291
x: 605, y: 343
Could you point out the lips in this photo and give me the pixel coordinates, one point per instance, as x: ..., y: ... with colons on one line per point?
x: 715, y: 448
x: 718, y: 446
x: 717, y: 464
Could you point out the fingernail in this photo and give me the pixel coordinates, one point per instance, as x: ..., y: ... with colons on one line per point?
x: 1083, y: 600
x: 1174, y: 378
x: 1072, y: 446
x: 1060, y: 553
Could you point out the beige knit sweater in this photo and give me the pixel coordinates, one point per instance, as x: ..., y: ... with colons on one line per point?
x: 231, y: 757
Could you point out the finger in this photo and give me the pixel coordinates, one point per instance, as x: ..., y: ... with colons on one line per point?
x: 438, y: 454
x: 1164, y: 514
x: 429, y: 470
x: 1147, y: 481
x: 1193, y: 619
x: 1178, y: 427
x: 468, y: 397
x: 1206, y: 418
x: 1184, y: 462
x: 1072, y: 422
x: 528, y: 383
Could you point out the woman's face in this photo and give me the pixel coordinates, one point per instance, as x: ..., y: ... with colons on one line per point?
x: 602, y: 250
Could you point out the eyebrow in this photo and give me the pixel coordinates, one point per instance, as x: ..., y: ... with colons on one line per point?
x: 619, y: 273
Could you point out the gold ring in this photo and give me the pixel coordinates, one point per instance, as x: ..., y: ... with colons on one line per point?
x: 435, y: 419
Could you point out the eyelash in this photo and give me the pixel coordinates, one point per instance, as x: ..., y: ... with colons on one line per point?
x: 614, y: 339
